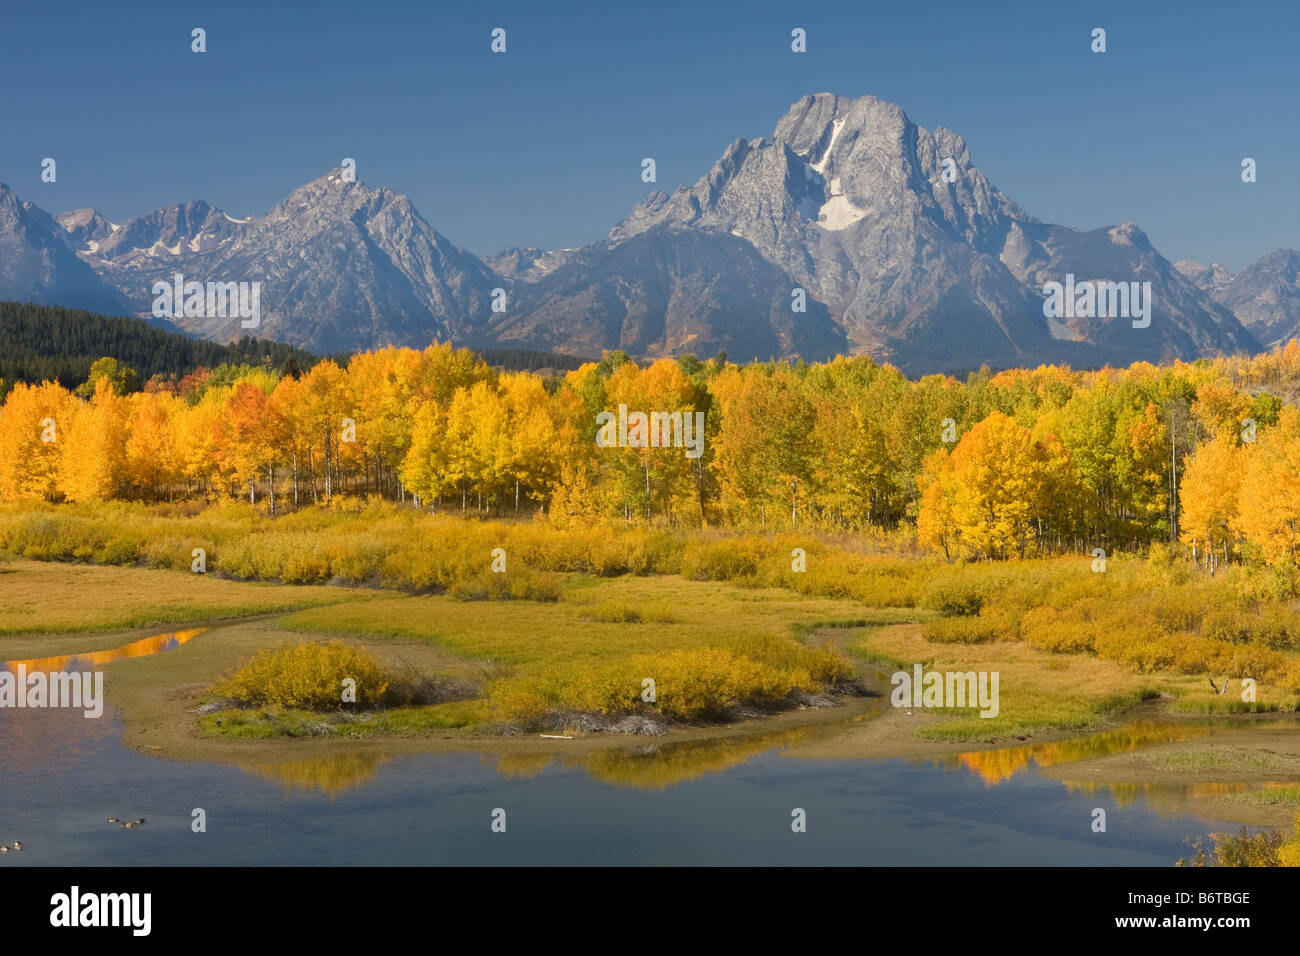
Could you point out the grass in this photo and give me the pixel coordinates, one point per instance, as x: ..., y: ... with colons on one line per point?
x: 267, y: 724
x: 1035, y: 692
x: 580, y: 612
x: 591, y: 651
x: 1279, y: 796
x: 1213, y: 759
x: 571, y: 631
x: 42, y: 598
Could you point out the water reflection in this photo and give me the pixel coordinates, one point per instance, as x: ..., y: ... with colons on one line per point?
x: 996, y: 766
x: 56, y: 737
x: 1169, y: 800
x: 53, y: 739
x: 658, y: 766
x: 329, y: 775
x: 156, y: 644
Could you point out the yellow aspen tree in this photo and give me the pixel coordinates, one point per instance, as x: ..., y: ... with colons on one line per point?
x: 1269, y: 499
x: 34, y: 421
x: 153, y: 460
x: 997, y: 482
x: 1210, y: 493
x: 92, y: 462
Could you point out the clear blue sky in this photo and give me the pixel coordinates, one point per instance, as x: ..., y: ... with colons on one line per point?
x: 542, y: 146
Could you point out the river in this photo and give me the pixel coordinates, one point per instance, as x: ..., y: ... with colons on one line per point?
x: 712, y: 802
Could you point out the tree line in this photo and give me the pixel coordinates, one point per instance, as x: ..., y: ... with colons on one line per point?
x: 1016, y: 463
x: 50, y: 343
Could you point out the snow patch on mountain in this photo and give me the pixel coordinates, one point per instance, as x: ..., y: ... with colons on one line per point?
x: 838, y: 212
x: 836, y: 126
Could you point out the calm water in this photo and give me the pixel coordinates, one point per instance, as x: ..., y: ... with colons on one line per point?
x: 62, y: 776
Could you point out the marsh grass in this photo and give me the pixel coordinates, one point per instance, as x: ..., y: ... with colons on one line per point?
x: 42, y: 598
x: 591, y: 655
x: 1282, y: 796
x: 577, y: 605
x: 1035, y: 692
x: 1212, y: 759
x: 270, y: 723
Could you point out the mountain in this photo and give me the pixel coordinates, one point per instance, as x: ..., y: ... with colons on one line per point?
x: 527, y: 265
x: 340, y: 267
x: 193, y: 227
x: 665, y: 292
x: 896, y: 242
x: 132, y: 256
x: 1186, y: 323
x: 36, y: 264
x: 855, y: 202
x: 1265, y: 295
x: 1210, y: 279
x: 85, y: 228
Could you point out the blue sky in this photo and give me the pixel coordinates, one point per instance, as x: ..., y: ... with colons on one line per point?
x: 542, y: 146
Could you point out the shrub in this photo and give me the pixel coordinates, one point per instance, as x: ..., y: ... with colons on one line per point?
x: 120, y: 550
x: 308, y: 675
x: 1226, y: 624
x: 1059, y: 631
x: 1274, y: 627
x: 1175, y: 610
x: 694, y: 684
x: 1244, y: 849
x: 954, y: 597
x: 518, y: 584
x: 960, y: 630
x: 612, y: 612
x: 725, y: 560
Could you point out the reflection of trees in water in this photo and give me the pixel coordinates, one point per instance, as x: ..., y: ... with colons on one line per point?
x: 522, y: 766
x: 659, y: 766
x: 54, y: 737
x: 154, y: 644
x: 652, y: 766
x: 1164, y: 799
x: 1168, y: 800
x: 330, y: 775
x: 994, y: 766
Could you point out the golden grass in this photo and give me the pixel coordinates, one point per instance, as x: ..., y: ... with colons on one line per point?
x: 525, y: 634
x: 1037, y: 689
x: 591, y: 651
x: 42, y: 598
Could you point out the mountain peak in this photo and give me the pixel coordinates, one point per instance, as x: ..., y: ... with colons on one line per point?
x: 332, y: 196
x: 36, y: 264
x: 84, y: 227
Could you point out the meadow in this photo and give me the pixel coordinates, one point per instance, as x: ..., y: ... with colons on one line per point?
x: 573, y: 620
